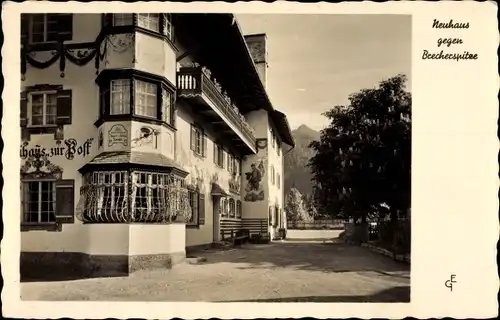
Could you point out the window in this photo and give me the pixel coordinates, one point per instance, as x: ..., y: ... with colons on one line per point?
x: 43, y: 108
x: 272, y: 175
x: 219, y: 155
x: 278, y: 180
x: 43, y: 28
x: 278, y: 149
x: 193, y: 202
x: 120, y: 96
x: 123, y: 19
x: 141, y: 96
x: 109, y: 196
x: 237, y: 166
x: 198, y: 141
x: 153, y: 197
x: 145, y: 99
x: 230, y: 163
x: 47, y: 201
x: 232, y: 208
x: 223, y: 207
x: 273, y: 138
x: 238, y: 209
x: 166, y: 106
x: 168, y: 29
x: 46, y: 27
x: 150, y: 21
x: 39, y: 201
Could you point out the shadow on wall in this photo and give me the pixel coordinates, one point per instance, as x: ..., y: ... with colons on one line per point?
x: 394, y: 294
x: 331, y: 257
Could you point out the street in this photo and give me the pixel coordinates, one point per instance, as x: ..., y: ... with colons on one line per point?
x: 279, y: 272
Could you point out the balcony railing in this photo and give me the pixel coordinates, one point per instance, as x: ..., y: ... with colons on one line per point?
x: 195, y: 81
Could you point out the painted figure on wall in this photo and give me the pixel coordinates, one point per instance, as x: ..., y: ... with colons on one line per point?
x: 254, y: 189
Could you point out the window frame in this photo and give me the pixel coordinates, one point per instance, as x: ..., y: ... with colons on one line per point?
x: 194, y: 196
x: 24, y: 183
x: 127, y: 109
x: 46, y: 34
x: 147, y: 17
x: 154, y: 93
x: 44, y: 93
x: 219, y: 155
x: 123, y: 17
x: 198, y: 137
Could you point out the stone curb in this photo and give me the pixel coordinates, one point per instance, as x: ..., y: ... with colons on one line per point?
x: 399, y: 257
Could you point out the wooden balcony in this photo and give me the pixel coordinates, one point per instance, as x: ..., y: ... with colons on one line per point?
x: 208, y: 99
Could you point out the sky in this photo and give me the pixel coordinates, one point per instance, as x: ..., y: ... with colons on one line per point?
x: 317, y: 61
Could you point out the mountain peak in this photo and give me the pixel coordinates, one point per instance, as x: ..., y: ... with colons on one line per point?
x: 304, y: 130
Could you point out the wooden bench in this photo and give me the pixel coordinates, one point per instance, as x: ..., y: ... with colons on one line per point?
x: 236, y: 237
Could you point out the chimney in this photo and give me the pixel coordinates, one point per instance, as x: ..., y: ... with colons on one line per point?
x: 257, y: 44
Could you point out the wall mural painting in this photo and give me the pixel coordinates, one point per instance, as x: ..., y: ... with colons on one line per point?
x: 235, y: 184
x: 198, y: 179
x: 146, y: 136
x: 254, y: 190
x: 118, y: 134
x: 39, y: 166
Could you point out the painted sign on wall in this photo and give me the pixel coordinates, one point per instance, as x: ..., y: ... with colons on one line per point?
x: 118, y: 134
x: 67, y: 148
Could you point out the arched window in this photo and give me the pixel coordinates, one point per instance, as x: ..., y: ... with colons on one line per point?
x: 232, y: 208
x: 238, y: 209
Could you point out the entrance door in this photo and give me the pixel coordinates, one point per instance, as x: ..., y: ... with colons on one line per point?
x: 216, y: 219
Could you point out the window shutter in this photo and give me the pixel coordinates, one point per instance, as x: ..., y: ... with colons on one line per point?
x: 205, y: 151
x: 24, y: 109
x: 65, y: 201
x: 201, y: 208
x: 223, y: 159
x: 270, y: 216
x: 65, y: 26
x: 24, y: 27
x: 64, y: 107
x: 193, y: 138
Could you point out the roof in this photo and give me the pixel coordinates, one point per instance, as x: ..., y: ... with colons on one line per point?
x: 150, y: 159
x: 217, y: 190
x: 216, y: 40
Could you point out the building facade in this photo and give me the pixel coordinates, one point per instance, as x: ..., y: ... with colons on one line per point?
x: 143, y: 136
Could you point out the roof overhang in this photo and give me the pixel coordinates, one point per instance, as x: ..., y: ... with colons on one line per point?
x: 215, y: 40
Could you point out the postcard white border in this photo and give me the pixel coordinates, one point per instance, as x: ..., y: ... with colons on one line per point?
x: 454, y: 170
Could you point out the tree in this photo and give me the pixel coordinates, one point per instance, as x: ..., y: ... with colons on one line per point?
x: 294, y: 206
x: 362, y: 162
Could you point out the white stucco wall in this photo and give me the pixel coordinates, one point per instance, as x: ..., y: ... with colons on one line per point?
x: 199, y: 167
x: 85, y: 111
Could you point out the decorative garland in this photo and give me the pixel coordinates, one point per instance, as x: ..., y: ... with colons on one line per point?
x: 79, y: 57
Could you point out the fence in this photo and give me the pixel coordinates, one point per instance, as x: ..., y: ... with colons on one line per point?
x: 316, y: 225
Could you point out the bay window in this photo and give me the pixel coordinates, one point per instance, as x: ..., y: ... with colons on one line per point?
x: 154, y: 24
x: 140, y: 196
x: 135, y: 95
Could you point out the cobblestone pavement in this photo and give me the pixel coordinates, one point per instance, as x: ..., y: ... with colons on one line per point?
x: 278, y: 272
